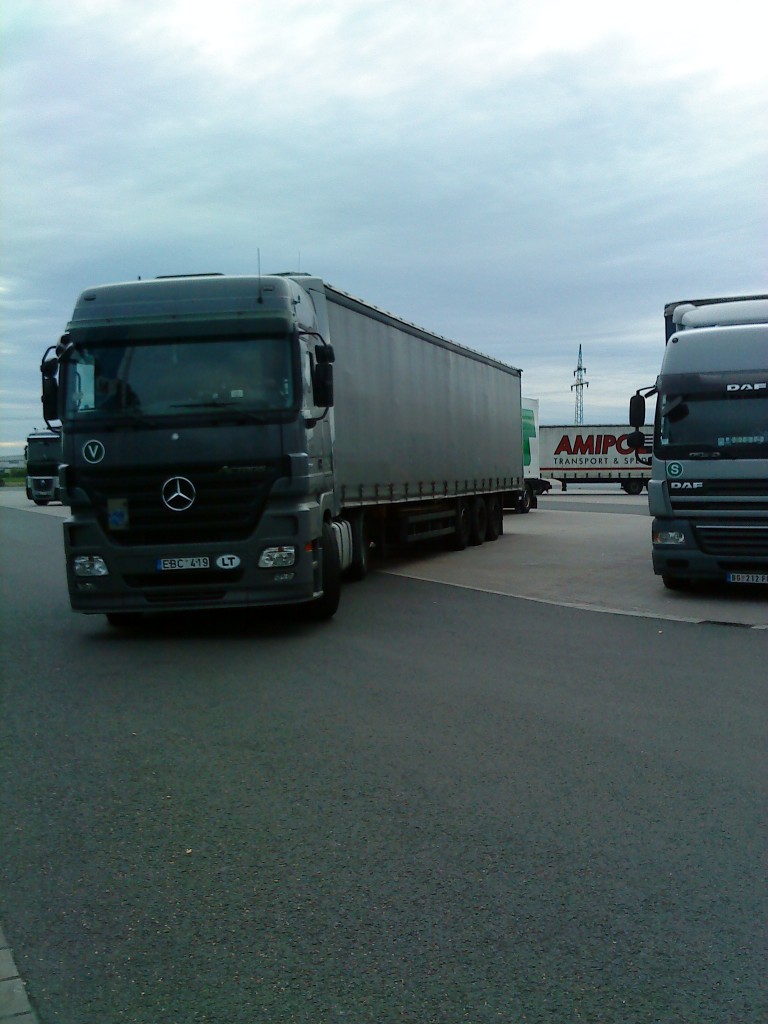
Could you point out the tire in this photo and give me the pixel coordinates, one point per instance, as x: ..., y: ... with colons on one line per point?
x: 524, y: 504
x: 361, y: 545
x: 495, y: 518
x: 325, y: 607
x: 41, y: 501
x: 478, y: 521
x: 459, y: 539
x: 632, y: 486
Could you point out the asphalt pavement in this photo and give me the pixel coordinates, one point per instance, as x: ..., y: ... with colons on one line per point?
x: 447, y: 805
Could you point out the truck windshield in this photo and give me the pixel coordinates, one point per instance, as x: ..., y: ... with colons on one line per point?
x: 43, y: 455
x: 44, y: 449
x: 734, y: 426
x: 179, y: 377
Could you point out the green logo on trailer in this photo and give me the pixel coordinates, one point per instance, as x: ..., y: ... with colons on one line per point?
x: 529, y: 432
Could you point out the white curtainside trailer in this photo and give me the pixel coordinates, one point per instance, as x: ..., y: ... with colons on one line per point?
x: 593, y: 455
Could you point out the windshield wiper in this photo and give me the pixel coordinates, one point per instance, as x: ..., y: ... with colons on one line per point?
x: 234, y: 410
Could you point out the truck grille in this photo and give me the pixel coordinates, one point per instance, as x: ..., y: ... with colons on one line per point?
x: 723, y: 496
x: 228, y: 502
x: 737, y: 541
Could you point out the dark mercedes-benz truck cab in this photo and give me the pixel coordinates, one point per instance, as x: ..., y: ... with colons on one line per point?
x: 197, y: 446
x: 708, y: 491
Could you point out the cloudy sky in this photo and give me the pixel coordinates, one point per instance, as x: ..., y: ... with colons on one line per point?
x: 523, y: 177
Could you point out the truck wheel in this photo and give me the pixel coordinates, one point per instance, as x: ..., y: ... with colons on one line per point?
x: 459, y: 539
x: 495, y: 518
x: 478, y: 523
x: 325, y: 607
x: 524, y: 504
x: 41, y: 501
x: 358, y: 567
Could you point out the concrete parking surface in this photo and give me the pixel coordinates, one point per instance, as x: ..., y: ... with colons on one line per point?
x: 598, y: 559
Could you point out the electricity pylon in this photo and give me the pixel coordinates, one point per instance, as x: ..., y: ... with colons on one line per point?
x: 578, y: 387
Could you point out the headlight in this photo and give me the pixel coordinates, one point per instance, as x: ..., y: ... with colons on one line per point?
x: 668, y: 537
x: 278, y: 557
x: 89, y: 565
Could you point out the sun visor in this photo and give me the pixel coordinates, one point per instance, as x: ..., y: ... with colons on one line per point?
x: 269, y: 324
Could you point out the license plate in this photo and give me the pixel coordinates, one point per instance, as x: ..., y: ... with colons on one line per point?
x: 198, y: 562
x: 748, y: 577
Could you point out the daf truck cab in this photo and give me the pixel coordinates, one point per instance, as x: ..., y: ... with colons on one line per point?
x: 708, y: 491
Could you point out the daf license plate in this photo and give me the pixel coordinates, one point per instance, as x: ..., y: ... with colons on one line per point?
x: 197, y: 562
x: 747, y: 577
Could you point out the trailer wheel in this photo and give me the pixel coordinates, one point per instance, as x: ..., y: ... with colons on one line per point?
x: 478, y: 523
x: 524, y: 503
x: 495, y: 518
x: 632, y: 486
x: 459, y: 539
x: 325, y: 607
x: 358, y: 567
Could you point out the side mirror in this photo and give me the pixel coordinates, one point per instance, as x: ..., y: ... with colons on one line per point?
x: 50, y: 399
x: 322, y: 385
x: 322, y: 379
x: 636, y: 413
x: 636, y: 440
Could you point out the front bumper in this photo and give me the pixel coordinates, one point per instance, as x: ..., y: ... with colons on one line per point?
x: 230, y: 578
x: 710, y: 549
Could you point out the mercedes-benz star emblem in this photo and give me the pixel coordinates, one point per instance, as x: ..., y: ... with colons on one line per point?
x: 178, y: 493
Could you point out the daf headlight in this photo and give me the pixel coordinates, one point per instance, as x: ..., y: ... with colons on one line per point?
x: 279, y: 557
x: 89, y: 565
